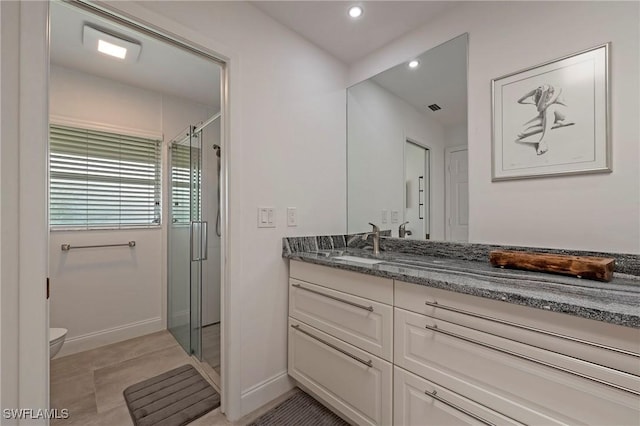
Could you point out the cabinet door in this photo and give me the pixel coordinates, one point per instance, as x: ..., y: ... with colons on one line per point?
x: 528, y: 391
x: 360, y: 322
x: 593, y: 341
x: 354, y: 383
x: 363, y: 285
x: 419, y: 402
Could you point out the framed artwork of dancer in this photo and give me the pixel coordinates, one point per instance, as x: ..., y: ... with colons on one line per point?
x: 553, y: 119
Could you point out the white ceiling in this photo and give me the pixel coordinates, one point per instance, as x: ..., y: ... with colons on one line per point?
x: 440, y: 79
x: 161, y: 67
x: 327, y: 25
x: 167, y: 69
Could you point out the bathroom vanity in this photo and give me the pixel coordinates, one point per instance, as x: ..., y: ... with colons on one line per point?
x: 415, y: 340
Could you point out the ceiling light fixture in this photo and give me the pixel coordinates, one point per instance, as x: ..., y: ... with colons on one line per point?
x: 355, y: 12
x: 111, y: 49
x: 114, y: 46
x: 414, y: 64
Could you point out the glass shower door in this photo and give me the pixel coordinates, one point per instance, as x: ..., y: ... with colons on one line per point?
x: 198, y: 242
x: 186, y: 244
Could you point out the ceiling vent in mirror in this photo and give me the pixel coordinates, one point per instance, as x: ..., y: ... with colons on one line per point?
x: 434, y: 107
x: 112, y: 45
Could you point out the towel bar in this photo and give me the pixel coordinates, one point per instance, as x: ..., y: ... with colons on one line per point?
x: 67, y: 247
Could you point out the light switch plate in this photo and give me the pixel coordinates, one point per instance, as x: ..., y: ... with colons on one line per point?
x: 292, y: 216
x: 266, y: 217
x: 394, y: 216
x: 384, y: 216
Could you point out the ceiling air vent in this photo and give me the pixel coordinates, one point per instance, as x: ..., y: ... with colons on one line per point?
x: 434, y: 107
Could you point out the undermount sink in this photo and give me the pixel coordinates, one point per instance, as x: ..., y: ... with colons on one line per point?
x: 358, y: 259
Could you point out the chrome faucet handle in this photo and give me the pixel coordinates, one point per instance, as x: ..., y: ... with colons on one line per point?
x: 375, y: 227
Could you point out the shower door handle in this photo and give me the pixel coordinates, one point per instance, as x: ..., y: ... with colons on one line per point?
x: 191, y: 241
x: 203, y: 239
x: 205, y: 228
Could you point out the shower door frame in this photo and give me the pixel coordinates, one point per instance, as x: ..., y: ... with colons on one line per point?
x: 198, y: 240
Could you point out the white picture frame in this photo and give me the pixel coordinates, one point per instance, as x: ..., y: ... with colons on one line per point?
x: 553, y: 119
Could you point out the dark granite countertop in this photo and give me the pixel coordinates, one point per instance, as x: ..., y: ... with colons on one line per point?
x: 616, y: 302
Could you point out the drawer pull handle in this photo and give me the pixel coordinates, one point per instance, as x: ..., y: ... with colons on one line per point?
x: 435, y: 396
x: 531, y: 359
x: 535, y: 330
x: 360, y: 360
x: 357, y: 305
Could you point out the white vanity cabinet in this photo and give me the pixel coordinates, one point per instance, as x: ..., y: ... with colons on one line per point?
x: 419, y: 402
x: 506, y: 360
x: 341, y: 342
x: 387, y: 352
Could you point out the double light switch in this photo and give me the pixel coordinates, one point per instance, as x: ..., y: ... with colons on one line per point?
x: 266, y: 217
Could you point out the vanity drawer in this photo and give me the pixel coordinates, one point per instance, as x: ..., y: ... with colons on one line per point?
x: 351, y: 381
x: 368, y: 286
x: 597, y: 342
x: 358, y: 321
x: 420, y: 402
x: 457, y: 358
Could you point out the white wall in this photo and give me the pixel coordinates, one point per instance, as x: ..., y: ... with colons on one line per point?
x: 1, y: 119
x: 379, y: 124
x: 9, y: 71
x: 455, y: 135
x: 104, y: 295
x: 590, y: 212
x: 23, y: 258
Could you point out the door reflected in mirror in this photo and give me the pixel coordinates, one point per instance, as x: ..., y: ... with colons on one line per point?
x: 416, y: 206
x: 407, y: 147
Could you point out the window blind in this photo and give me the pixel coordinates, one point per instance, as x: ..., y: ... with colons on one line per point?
x: 185, y: 171
x: 101, y: 179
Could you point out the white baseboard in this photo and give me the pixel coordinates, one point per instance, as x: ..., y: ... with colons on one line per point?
x: 265, y: 392
x: 111, y: 335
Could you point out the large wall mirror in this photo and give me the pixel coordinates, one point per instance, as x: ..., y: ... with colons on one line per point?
x: 407, y: 147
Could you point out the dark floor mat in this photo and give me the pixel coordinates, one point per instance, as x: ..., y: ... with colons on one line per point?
x: 174, y: 398
x: 299, y: 410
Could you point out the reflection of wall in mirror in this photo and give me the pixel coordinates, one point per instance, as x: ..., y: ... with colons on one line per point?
x: 379, y: 123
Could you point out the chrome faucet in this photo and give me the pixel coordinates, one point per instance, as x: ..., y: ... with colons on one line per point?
x: 402, y: 231
x: 376, y: 238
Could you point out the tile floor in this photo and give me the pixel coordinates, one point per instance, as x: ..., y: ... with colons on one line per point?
x: 90, y: 384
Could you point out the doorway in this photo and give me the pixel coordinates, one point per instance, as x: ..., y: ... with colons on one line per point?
x: 174, y: 99
x: 417, y: 190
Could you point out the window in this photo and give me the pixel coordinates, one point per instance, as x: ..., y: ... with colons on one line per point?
x: 100, y: 179
x: 185, y: 176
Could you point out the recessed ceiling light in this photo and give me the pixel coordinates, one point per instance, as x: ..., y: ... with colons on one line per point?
x: 111, y: 49
x: 414, y: 64
x: 355, y: 11
x: 115, y: 46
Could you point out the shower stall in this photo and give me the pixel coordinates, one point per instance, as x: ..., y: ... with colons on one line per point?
x: 194, y: 250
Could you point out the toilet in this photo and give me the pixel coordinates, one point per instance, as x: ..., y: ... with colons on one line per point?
x: 56, y: 339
